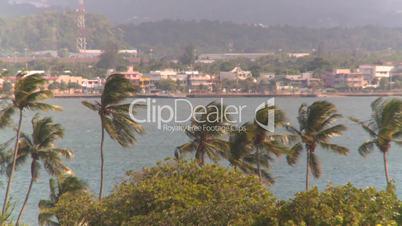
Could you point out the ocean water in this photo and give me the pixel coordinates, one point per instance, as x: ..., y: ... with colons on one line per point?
x: 82, y: 134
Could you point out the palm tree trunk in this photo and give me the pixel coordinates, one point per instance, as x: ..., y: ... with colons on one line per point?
x: 15, y: 154
x: 102, y: 160
x: 258, y: 164
x: 27, y: 195
x: 385, y: 155
x: 308, y: 171
x: 200, y: 155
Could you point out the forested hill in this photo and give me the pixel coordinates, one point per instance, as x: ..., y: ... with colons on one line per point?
x: 209, y: 36
x: 313, y: 13
x: 55, y: 30
x: 8, y: 10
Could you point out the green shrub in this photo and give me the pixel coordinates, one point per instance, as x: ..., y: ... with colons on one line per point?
x: 75, y: 208
x: 186, y: 194
x: 344, y: 205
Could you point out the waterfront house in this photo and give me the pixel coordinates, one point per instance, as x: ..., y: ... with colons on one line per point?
x: 371, y: 72
x: 345, y: 79
x: 237, y: 74
x: 164, y: 74
x: 197, y: 81
x: 133, y: 75
x: 93, y: 84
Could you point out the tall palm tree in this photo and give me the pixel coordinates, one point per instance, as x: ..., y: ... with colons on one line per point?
x: 316, y: 128
x: 41, y: 148
x: 206, y: 133
x: 27, y: 95
x: 244, y: 155
x: 64, y: 184
x: 267, y: 143
x: 115, y: 116
x: 384, y: 128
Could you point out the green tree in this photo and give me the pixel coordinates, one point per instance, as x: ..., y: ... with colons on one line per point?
x: 189, y: 55
x: 343, y: 205
x: 185, y: 194
x: 111, y: 58
x: 41, y: 148
x: 63, y: 86
x: 208, y: 125
x: 242, y: 154
x: 384, y: 128
x: 7, y: 87
x: 167, y: 85
x: 77, y: 209
x: 114, y: 115
x: 63, y: 185
x: 316, y: 128
x: 54, y: 86
x: 27, y: 96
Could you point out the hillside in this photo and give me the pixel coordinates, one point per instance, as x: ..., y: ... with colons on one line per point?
x: 207, y: 36
x: 12, y: 10
x: 312, y: 13
x: 54, y: 30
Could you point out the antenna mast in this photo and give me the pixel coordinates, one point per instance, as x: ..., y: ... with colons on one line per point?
x: 81, y: 25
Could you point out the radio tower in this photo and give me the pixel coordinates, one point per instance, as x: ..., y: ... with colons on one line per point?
x: 81, y: 25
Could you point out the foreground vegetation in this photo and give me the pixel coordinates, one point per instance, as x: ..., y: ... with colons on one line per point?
x: 181, y: 192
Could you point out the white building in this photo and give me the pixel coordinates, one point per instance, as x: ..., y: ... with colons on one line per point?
x: 371, y: 72
x: 133, y: 52
x: 235, y: 75
x: 93, y: 83
x: 165, y: 74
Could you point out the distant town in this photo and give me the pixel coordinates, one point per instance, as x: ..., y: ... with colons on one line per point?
x: 366, y: 79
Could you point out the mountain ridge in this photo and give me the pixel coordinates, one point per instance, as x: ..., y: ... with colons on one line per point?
x: 312, y: 13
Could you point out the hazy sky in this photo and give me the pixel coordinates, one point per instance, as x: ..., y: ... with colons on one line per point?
x: 270, y: 12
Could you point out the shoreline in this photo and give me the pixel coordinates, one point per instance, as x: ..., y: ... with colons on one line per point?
x: 244, y: 95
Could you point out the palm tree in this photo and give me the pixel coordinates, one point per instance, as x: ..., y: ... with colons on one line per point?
x: 242, y: 153
x: 41, y: 148
x: 115, y: 116
x: 266, y: 142
x: 64, y: 184
x: 27, y: 95
x: 316, y: 128
x: 208, y: 126
x: 384, y: 128
x: 251, y: 159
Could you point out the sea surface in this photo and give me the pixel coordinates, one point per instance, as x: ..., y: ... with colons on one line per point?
x: 82, y: 134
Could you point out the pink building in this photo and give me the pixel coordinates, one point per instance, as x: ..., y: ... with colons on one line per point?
x: 132, y: 75
x: 345, y: 78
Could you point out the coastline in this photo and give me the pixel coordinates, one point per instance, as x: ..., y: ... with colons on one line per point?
x: 242, y: 95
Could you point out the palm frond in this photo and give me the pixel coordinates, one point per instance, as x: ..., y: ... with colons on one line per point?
x: 367, y: 147
x: 117, y: 89
x: 37, y: 106
x: 335, y: 148
x: 263, y: 115
x: 186, y: 148
x: 92, y: 106
x: 6, y: 113
x: 367, y: 128
x: 294, y: 154
x: 328, y: 133
x: 315, y: 165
